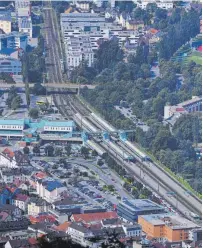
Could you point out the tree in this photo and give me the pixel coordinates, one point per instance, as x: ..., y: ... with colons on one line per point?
x: 94, y: 153
x: 84, y: 151
x: 36, y: 150
x: 34, y: 113
x: 49, y: 150
x: 16, y: 102
x: 27, y: 93
x: 58, y: 152
x: 68, y: 149
x: 26, y: 150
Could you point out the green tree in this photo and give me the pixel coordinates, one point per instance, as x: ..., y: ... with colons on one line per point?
x: 84, y: 151
x: 26, y: 150
x: 49, y: 151
x: 68, y: 149
x: 36, y: 150
x: 16, y: 102
x: 94, y: 153
x: 27, y: 93
x: 34, y: 113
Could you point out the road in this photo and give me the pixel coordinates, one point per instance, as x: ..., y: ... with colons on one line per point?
x: 54, y: 72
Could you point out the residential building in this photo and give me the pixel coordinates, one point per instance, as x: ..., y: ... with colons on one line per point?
x: 79, y: 234
x: 5, y: 21
x: 37, y: 205
x: 13, y: 211
x: 10, y: 53
x: 22, y: 8
x: 84, y: 6
x: 21, y: 201
x: 132, y: 230
x: 131, y: 209
x: 93, y: 217
x: 166, y: 226
x: 11, y: 66
x: 78, y: 50
x: 7, y: 160
x: 13, y: 40
x: 189, y: 106
x: 25, y: 26
x: 11, y: 124
x: 50, y: 189
x: 31, y: 243
x: 14, y: 225
x: 134, y: 25
x: 25, y: 234
x: 7, y: 194
x: 160, y: 4
x: 69, y: 206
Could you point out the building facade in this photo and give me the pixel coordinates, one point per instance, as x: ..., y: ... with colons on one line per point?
x: 13, y: 67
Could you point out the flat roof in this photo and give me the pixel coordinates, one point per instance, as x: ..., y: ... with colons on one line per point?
x: 140, y: 205
x: 169, y: 219
x: 59, y: 123
x: 11, y: 122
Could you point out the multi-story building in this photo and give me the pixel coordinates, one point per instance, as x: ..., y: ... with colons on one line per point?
x: 25, y: 25
x: 22, y: 8
x: 131, y: 209
x: 51, y: 190
x: 83, y: 5
x: 13, y: 40
x: 11, y: 66
x: 189, y: 106
x: 37, y: 205
x: 5, y: 21
x: 132, y: 230
x: 79, y: 50
x: 160, y: 4
x: 21, y: 201
x: 166, y: 226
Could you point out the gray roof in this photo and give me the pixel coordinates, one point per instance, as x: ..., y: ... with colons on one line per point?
x: 79, y: 228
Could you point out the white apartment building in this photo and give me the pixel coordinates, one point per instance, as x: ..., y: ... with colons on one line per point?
x: 25, y: 25
x: 22, y: 8
x: 160, y: 4
x: 79, y: 49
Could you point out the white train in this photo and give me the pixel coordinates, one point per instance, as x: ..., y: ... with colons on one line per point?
x: 119, y: 151
x: 133, y: 148
x: 96, y: 147
x: 82, y: 121
x: 107, y: 126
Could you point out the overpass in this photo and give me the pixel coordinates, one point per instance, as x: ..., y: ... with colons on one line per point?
x: 50, y: 86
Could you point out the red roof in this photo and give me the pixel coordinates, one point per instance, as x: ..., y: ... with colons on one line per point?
x: 42, y: 218
x: 21, y: 197
x: 180, y: 109
x: 8, y: 152
x: 63, y: 227
x: 93, y: 217
x: 40, y: 175
x: 199, y: 48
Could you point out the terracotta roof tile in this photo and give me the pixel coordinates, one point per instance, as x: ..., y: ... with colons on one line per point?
x: 63, y: 227
x: 93, y: 217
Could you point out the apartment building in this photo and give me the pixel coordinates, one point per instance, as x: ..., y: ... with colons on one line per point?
x: 79, y: 49
x: 22, y: 8
x: 160, y: 4
x: 25, y: 26
x: 13, y: 40
x: 11, y: 66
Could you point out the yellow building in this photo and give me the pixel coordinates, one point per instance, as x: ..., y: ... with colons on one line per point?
x: 5, y: 22
x: 168, y: 226
x: 37, y: 205
x: 134, y: 25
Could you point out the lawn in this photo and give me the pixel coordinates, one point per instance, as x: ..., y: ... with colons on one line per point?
x: 196, y: 57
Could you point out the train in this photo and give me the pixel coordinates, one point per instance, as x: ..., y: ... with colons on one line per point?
x: 103, y: 123
x: 96, y: 147
x: 82, y: 121
x: 133, y: 148
x: 119, y: 151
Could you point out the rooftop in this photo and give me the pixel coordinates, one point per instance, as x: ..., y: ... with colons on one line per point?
x: 11, y: 122
x: 171, y: 220
x: 140, y: 205
x: 60, y: 123
x: 93, y: 217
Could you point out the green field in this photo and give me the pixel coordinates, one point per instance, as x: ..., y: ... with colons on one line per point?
x: 196, y: 57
